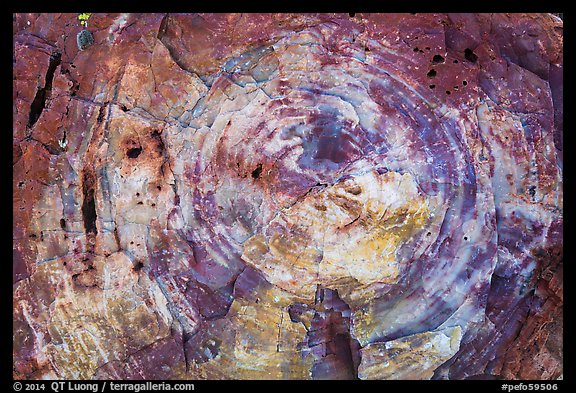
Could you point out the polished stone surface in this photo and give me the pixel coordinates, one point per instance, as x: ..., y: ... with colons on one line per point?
x: 277, y: 196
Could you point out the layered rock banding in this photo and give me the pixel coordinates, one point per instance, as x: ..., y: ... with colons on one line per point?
x: 278, y: 196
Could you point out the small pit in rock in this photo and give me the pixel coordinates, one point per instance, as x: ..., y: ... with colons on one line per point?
x: 133, y: 152
x: 257, y: 172
x: 470, y: 55
x: 437, y: 59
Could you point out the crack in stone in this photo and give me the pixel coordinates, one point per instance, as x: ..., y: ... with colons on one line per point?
x: 88, y: 201
x: 43, y: 94
x: 171, y: 51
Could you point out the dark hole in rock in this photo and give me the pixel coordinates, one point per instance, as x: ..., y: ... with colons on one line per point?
x: 74, y: 89
x: 124, y: 108
x: 429, y: 233
x: 42, y: 94
x: 137, y: 194
x: 134, y: 152
x: 416, y: 49
x: 465, y: 237
x: 100, y: 115
x: 432, y: 86
x: 138, y: 266
x: 88, y: 203
x: 464, y: 83
x: 367, y: 49
x: 153, y: 205
x: 157, y: 135
x: 455, y: 61
x: 62, y: 223
x: 437, y: 59
x: 470, y: 55
x: 159, y: 188
x: 351, y: 14
x: 140, y: 203
x: 257, y: 172
x: 431, y: 73
x: 448, y: 92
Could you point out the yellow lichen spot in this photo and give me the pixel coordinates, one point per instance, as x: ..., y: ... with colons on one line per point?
x: 83, y: 18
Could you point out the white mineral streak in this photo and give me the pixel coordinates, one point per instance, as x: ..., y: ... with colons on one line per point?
x: 515, y: 174
x: 411, y: 357
x: 118, y: 23
x: 38, y: 335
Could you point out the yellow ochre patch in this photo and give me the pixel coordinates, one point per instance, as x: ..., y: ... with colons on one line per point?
x: 346, y: 234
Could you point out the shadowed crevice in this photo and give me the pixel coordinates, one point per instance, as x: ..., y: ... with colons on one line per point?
x: 43, y: 93
x: 88, y: 202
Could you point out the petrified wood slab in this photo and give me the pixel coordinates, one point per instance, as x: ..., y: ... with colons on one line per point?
x: 277, y: 196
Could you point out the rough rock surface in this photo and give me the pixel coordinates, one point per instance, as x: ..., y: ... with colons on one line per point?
x: 275, y: 196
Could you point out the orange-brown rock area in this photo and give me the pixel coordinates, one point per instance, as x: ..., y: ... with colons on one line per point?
x: 287, y: 196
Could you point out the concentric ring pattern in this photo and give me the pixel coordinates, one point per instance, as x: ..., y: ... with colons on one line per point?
x: 307, y: 197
